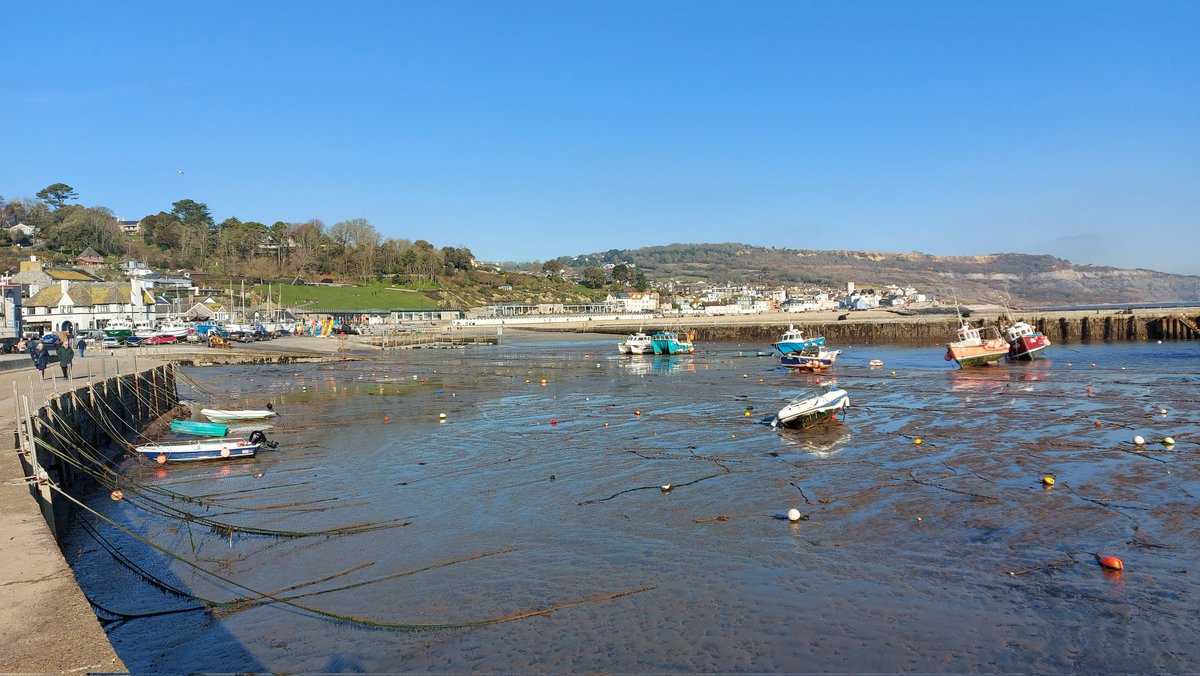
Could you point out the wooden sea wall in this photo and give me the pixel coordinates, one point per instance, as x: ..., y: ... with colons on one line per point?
x: 74, y: 437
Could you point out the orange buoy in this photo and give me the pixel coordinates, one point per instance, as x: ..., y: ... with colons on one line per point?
x: 1098, y: 424
x: 117, y: 494
x: 162, y: 458
x: 386, y: 419
x: 1111, y: 562
x: 1089, y: 389
x: 554, y: 421
x: 638, y: 412
x: 225, y: 452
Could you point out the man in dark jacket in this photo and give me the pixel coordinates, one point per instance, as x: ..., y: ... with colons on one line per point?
x: 65, y: 355
x: 40, y: 357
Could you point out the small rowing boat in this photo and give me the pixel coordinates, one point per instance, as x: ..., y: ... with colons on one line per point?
x: 200, y: 429
x: 200, y: 449
x: 225, y: 416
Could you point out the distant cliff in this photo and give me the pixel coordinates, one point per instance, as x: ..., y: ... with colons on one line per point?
x: 1019, y: 279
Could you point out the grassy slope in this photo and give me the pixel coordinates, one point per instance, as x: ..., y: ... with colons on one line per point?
x: 374, y: 296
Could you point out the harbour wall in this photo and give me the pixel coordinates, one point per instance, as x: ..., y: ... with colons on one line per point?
x: 68, y: 444
x: 924, y: 329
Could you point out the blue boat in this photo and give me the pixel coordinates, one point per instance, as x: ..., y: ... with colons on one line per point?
x: 200, y: 429
x: 793, y: 340
x: 669, y: 342
x: 201, y: 449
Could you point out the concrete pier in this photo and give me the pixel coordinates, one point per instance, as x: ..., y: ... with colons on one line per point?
x: 48, y: 625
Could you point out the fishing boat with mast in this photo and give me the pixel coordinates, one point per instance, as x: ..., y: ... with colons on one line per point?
x: 972, y: 349
x: 670, y: 342
x: 636, y: 343
x: 793, y: 340
x: 1024, y: 341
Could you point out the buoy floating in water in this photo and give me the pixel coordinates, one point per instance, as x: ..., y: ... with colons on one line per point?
x: 793, y: 514
x: 665, y: 487
x: 1098, y: 424
x: 1162, y: 411
x: 637, y: 412
x: 162, y: 458
x: 554, y: 421
x: 917, y: 441
x: 1111, y: 562
x: 1139, y: 440
x: 1168, y: 441
x: 116, y: 495
x: 1048, y: 481
x: 441, y: 416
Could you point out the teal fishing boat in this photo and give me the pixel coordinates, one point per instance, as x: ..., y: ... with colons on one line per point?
x: 670, y: 342
x: 200, y: 429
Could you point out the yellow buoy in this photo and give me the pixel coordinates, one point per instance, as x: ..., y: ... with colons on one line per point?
x: 917, y: 441
x: 1047, y: 481
x: 747, y: 414
x: 442, y: 416
x: 1168, y: 441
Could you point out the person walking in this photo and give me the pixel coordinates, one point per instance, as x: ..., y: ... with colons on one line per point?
x: 65, y: 355
x: 40, y: 357
x: 81, y: 346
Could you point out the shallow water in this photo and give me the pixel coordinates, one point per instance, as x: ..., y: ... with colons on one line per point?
x: 947, y: 555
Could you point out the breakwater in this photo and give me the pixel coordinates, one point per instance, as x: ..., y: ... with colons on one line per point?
x: 67, y: 445
x: 923, y: 330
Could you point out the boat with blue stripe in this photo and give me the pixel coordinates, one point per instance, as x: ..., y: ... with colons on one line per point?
x: 793, y: 340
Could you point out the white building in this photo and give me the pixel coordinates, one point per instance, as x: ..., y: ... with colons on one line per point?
x: 73, y: 306
x: 635, y: 301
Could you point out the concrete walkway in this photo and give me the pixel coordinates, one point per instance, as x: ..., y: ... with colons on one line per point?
x: 46, y: 625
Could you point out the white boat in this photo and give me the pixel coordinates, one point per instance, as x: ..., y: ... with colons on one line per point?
x: 200, y: 449
x: 226, y: 416
x: 813, y: 406
x: 143, y: 330
x: 174, y: 327
x: 636, y: 343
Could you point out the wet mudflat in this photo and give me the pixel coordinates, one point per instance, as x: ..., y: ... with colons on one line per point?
x: 442, y: 541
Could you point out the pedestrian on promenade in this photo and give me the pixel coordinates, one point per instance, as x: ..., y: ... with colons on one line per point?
x: 40, y: 357
x: 82, y: 345
x: 65, y: 355
x: 21, y: 344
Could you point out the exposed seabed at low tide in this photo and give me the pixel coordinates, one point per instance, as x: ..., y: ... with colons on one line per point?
x: 943, y: 555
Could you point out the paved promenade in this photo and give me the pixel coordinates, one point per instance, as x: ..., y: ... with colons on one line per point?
x: 47, y: 625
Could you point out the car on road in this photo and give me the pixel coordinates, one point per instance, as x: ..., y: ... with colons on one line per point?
x: 161, y: 339
x: 109, y: 341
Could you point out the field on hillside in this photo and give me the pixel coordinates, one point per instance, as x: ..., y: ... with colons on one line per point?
x: 374, y: 296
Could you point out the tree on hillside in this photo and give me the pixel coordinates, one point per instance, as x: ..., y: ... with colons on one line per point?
x: 641, y: 282
x: 83, y: 227
x: 553, y: 267
x: 594, y: 277
x: 309, y: 238
x: 458, y: 258
x: 191, y: 212
x: 57, y: 194
x: 622, y: 274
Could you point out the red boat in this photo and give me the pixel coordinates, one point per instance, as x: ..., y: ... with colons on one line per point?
x: 1024, y: 342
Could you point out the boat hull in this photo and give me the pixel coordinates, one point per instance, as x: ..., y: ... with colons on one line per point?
x: 193, y: 451
x: 1029, y: 347
x: 201, y: 429
x: 221, y: 416
x: 977, y: 355
x: 669, y: 343
x: 808, y: 362
x: 118, y: 333
x: 802, y: 416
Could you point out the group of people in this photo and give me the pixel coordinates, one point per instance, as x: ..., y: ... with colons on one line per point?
x: 40, y: 354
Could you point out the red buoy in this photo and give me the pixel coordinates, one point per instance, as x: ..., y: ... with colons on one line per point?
x: 1111, y: 562
x: 554, y: 421
x: 162, y: 458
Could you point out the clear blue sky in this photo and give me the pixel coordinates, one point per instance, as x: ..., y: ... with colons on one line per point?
x: 528, y: 130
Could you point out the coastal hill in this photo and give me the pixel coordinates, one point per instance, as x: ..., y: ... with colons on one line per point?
x: 1018, y: 279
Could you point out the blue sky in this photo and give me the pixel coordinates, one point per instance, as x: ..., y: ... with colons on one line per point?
x: 528, y: 130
